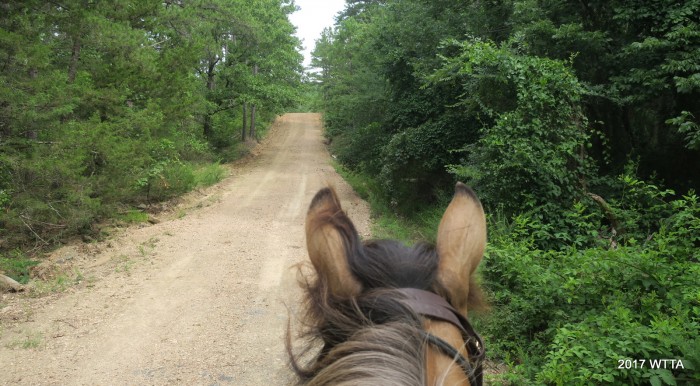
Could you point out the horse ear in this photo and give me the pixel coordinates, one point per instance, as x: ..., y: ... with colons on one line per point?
x: 330, y: 239
x: 461, y: 240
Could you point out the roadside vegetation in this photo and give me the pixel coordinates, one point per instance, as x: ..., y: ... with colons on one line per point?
x: 108, y: 107
x: 577, y: 125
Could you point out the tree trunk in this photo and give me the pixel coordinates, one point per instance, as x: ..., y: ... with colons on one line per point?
x: 211, y: 84
x: 74, y: 59
x: 32, y: 133
x: 207, y: 126
x: 245, y: 121
x: 252, y: 122
x: 252, y: 110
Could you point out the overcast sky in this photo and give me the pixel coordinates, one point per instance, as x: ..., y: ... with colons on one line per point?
x: 314, y: 16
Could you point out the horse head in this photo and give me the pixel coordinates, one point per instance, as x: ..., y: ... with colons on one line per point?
x: 367, y: 297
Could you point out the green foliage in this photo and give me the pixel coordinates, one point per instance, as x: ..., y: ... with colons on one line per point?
x: 414, y: 163
x: 164, y: 175
x: 16, y: 265
x: 106, y: 106
x: 579, y: 311
x: 575, y: 122
x: 209, y: 174
x: 310, y: 99
x: 133, y: 216
x: 639, y: 208
x: 638, y: 61
x: 554, y: 66
x: 421, y: 225
x: 685, y: 125
x: 535, y: 142
x: 360, y: 149
x: 378, y: 114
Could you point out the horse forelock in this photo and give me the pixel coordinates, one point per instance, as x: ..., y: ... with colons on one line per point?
x: 390, y: 264
x: 374, y: 333
x: 380, y: 354
x: 373, y: 338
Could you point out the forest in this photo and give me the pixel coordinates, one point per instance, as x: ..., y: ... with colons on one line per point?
x: 108, y: 106
x: 576, y: 122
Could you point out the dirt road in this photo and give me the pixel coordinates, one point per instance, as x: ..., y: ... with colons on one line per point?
x: 195, y: 299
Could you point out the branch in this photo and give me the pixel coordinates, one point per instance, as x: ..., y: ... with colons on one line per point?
x: 224, y: 108
x: 32, y: 230
x: 156, y: 44
x: 59, y: 5
x: 174, y: 2
x: 609, y: 213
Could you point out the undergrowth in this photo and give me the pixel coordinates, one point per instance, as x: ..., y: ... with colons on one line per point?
x: 17, y: 265
x: 58, y: 204
x: 386, y: 223
x: 580, y: 303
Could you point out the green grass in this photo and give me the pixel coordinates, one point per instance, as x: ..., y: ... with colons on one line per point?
x: 17, y: 265
x: 387, y: 224
x: 133, y: 216
x: 147, y: 247
x: 209, y: 174
x: 58, y: 284
x: 32, y: 340
x: 123, y: 264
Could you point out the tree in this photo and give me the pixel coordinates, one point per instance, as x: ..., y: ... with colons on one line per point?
x: 105, y: 104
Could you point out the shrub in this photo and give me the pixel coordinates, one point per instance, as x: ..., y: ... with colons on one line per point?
x: 531, y: 155
x: 209, y: 174
x: 360, y: 149
x: 575, y: 312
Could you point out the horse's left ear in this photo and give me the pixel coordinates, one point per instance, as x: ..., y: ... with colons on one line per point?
x: 461, y: 240
x: 331, y: 239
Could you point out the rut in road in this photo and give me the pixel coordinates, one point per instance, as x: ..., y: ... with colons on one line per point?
x: 193, y: 300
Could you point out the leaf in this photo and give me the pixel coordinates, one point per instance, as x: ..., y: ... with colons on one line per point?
x: 667, y: 377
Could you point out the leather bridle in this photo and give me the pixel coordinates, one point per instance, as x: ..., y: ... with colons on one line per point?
x: 436, y: 307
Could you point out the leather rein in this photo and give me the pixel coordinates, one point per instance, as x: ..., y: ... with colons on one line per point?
x: 436, y: 307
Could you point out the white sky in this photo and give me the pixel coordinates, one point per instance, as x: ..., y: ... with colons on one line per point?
x: 314, y: 16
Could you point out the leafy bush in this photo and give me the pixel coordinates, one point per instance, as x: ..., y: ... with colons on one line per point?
x: 575, y: 312
x: 49, y: 197
x: 414, y: 162
x: 209, y: 174
x: 360, y: 149
x: 531, y: 155
x: 58, y: 189
x: 166, y: 179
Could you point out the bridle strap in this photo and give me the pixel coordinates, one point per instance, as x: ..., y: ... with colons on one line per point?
x: 475, y: 375
x: 436, y: 307
x: 429, y: 304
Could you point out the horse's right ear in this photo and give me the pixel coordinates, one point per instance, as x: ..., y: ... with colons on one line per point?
x: 330, y: 239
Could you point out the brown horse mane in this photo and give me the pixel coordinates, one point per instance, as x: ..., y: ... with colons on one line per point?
x: 372, y: 338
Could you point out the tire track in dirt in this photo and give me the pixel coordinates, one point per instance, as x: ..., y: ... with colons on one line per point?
x: 193, y: 300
